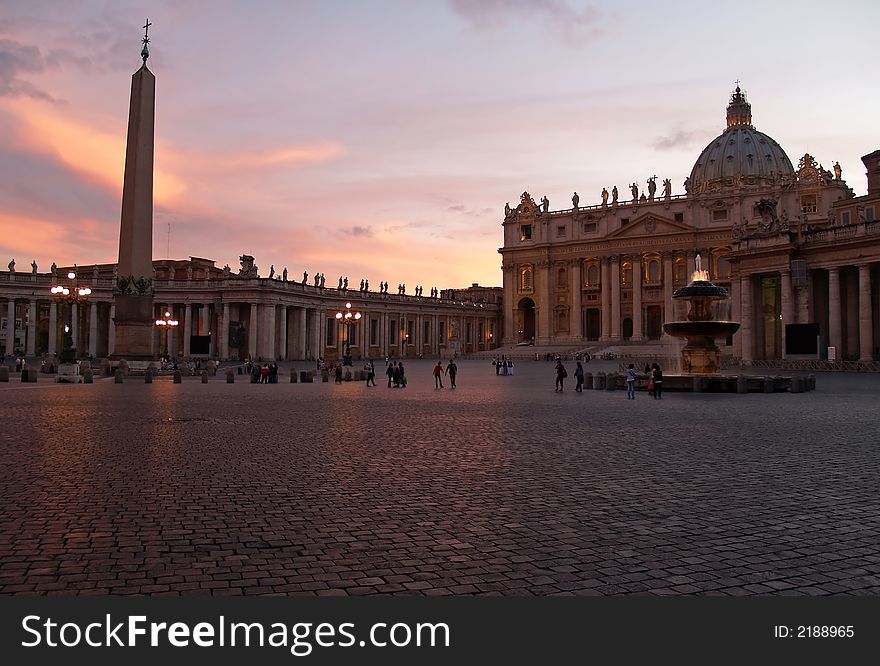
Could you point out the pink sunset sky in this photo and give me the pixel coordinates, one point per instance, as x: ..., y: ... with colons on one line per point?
x: 382, y: 139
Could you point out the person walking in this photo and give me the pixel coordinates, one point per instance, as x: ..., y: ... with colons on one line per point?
x: 452, y: 370
x: 631, y: 382
x: 401, y: 380
x: 561, y: 374
x: 371, y: 373
x: 390, y: 372
x: 579, y: 378
x: 438, y: 375
x: 657, y: 378
x: 338, y: 374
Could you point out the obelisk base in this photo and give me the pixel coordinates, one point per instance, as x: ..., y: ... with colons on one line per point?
x: 135, y: 325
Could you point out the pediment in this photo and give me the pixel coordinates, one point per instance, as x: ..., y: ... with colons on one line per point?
x: 650, y: 224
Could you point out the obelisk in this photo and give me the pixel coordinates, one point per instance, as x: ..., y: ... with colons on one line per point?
x: 133, y: 292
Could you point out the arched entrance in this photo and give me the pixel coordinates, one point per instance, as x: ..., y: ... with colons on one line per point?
x: 594, y: 324
x: 653, y: 322
x: 525, y: 317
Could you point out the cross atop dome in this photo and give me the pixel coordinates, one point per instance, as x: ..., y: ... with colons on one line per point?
x: 145, y: 52
x: 739, y: 111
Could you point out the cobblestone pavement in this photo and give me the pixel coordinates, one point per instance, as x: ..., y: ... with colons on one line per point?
x: 501, y: 486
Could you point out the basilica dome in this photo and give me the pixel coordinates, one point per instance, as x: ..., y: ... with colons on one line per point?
x: 741, y: 155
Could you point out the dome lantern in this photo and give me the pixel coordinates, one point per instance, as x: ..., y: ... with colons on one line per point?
x: 739, y: 111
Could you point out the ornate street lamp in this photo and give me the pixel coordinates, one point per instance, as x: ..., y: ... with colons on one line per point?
x: 347, y: 319
x: 69, y: 293
x: 166, y: 324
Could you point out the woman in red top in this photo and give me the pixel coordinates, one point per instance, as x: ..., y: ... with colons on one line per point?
x: 438, y: 375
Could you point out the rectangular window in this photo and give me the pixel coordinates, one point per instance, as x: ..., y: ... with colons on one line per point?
x: 525, y: 232
x: 491, y: 331
x: 844, y: 218
x: 410, y: 332
x: 719, y: 215
x: 374, y: 332
x: 679, y: 217
x: 590, y: 227
x: 808, y: 203
x: 482, y: 332
x: 624, y: 221
x: 869, y: 214
x: 331, y: 332
x: 467, y: 332
x: 560, y: 231
x: 441, y: 332
x: 426, y: 338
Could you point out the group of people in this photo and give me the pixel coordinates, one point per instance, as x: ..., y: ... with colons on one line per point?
x: 655, y: 381
x: 396, y: 374
x: 267, y: 373
x: 503, y: 366
x: 451, y: 371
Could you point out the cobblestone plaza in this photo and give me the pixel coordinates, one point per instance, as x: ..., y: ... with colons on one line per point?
x: 501, y: 486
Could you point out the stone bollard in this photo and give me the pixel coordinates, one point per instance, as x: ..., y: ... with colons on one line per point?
x: 292, y: 376
x: 178, y: 377
x: 768, y: 385
x: 148, y: 376
x: 611, y: 381
x: 699, y: 384
x: 204, y: 376
x: 106, y: 370
x: 325, y: 376
x: 4, y: 373
x: 588, y: 380
x: 796, y: 385
x: 742, y: 384
x: 28, y: 375
x: 230, y: 376
x: 118, y: 376
x: 811, y: 383
x: 88, y: 377
x: 306, y: 377
x: 599, y: 381
x: 123, y: 365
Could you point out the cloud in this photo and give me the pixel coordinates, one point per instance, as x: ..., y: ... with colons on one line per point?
x: 681, y: 139
x: 358, y: 231
x: 17, y: 60
x: 573, y: 25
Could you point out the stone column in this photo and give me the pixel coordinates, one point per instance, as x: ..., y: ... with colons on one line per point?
x: 736, y: 313
x: 576, y: 324
x: 509, y: 304
x: 637, y: 277
x: 866, y: 320
x: 270, y: 331
x: 787, y: 298
x: 668, y: 283
x: 170, y: 338
x: 187, y: 329
x: 10, y: 326
x: 301, y: 333
x: 53, y: 327
x: 835, y: 337
x: 282, y: 332
x: 31, y: 345
x: 317, y: 342
x: 419, y: 334
x: 383, y: 334
x: 252, y: 332
x: 746, y: 328
x: 74, y: 325
x: 93, y: 329
x: 614, y: 272
x: 205, y: 324
x: 606, y: 299
x: 224, y: 333
x: 111, y: 330
x: 542, y: 275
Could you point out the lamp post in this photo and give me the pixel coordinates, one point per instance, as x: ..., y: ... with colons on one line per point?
x: 347, y: 319
x: 72, y: 294
x: 166, y: 323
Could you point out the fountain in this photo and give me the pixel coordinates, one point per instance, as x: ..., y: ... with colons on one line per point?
x: 703, y: 326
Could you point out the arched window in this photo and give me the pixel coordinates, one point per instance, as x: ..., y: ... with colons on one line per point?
x: 560, y: 279
x: 654, y: 271
x: 525, y: 279
x: 722, y: 267
x: 626, y: 273
x: 681, y: 276
x: 593, y: 275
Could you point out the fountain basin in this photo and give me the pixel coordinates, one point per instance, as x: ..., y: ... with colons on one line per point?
x: 701, y: 329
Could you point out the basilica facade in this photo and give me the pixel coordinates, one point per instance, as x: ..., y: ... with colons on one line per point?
x: 798, y: 253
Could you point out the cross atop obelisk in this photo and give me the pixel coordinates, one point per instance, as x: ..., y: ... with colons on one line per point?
x: 133, y: 292
x: 145, y: 52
